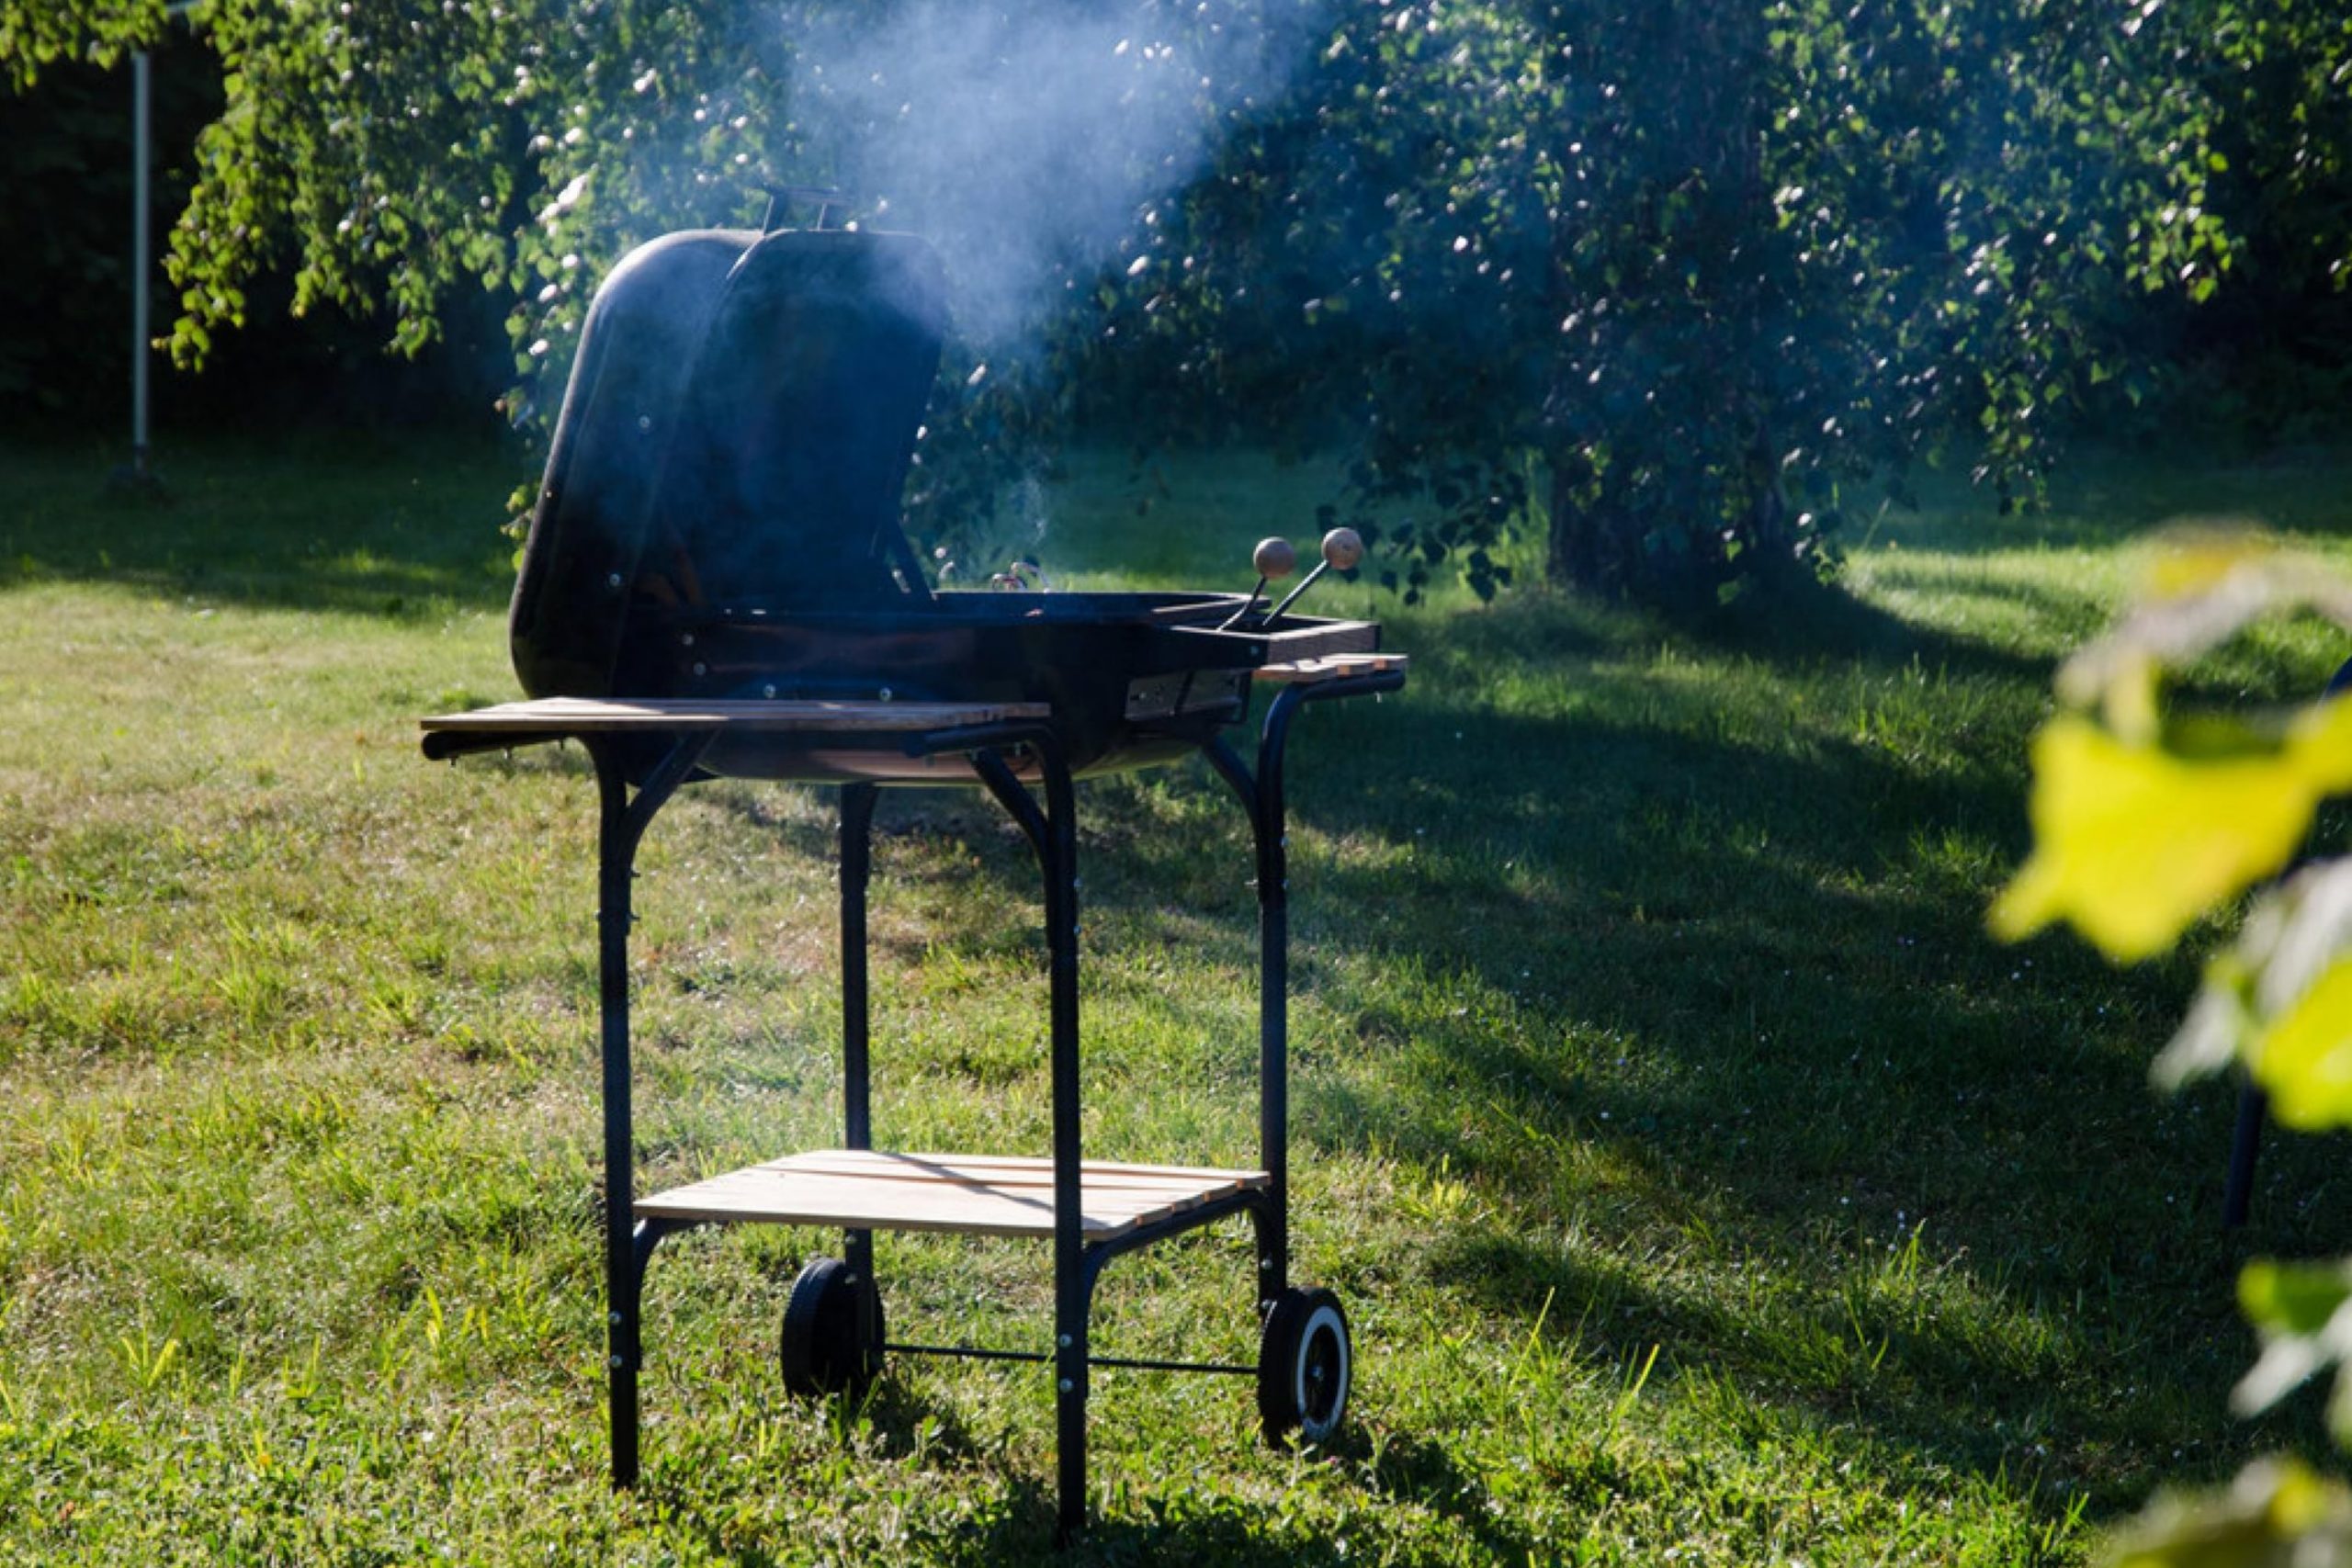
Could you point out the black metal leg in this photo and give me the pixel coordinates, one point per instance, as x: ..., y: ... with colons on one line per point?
x: 1269, y: 1218
x: 857, y: 1126
x: 1071, y: 1294
x: 621, y: 825
x: 1053, y: 834
x: 625, y: 1317
x: 1263, y: 797
x: 1272, y: 829
x: 2254, y: 1108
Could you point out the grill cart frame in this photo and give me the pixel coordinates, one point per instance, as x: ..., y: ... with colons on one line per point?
x: 1094, y: 1212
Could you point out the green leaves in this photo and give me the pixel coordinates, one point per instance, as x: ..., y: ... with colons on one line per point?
x: 2143, y: 821
x: 2141, y: 827
x: 2132, y: 842
x: 37, y: 33
x: 2303, y: 1311
x: 2277, y: 1513
x: 2304, y: 1057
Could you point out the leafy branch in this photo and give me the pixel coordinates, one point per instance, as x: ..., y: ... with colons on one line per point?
x: 2147, y: 820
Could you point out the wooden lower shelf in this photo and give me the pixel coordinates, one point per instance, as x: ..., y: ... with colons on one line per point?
x: 973, y: 1194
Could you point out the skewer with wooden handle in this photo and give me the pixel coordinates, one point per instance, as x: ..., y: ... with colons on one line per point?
x: 1342, y: 547
x: 1272, y: 557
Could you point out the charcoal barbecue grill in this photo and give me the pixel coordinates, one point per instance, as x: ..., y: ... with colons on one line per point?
x: 716, y: 583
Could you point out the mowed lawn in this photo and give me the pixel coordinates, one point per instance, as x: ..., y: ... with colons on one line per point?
x: 1703, y: 1185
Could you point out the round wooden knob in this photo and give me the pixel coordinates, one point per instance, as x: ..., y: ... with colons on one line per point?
x: 1273, y: 558
x: 1342, y: 547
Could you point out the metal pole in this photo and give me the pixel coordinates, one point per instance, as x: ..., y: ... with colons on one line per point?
x: 857, y: 1115
x: 136, y: 476
x: 1052, y: 832
x: 1071, y: 1284
x: 620, y: 825
x: 142, y: 156
x: 1271, y: 832
x: 624, y: 1285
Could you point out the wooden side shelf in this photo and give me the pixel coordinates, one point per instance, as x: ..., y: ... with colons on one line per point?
x: 552, y: 717
x: 1330, y: 667
x: 971, y: 1194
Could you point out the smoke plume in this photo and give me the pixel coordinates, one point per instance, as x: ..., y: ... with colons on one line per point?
x: 1033, y: 143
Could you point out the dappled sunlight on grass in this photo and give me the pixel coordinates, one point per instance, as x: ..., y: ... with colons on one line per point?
x: 1696, y: 1172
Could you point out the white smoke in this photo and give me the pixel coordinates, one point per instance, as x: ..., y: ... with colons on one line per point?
x: 1033, y: 143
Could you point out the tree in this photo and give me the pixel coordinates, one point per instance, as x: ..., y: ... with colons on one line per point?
x: 1665, y: 281
x: 390, y: 154
x: 1672, y: 277
x: 387, y: 154
x: 2266, y: 348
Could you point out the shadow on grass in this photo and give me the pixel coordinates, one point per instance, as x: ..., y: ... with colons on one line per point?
x: 1198, y: 1526
x: 1691, y: 953
x: 354, y: 527
x: 1686, y: 965
x: 1814, y: 624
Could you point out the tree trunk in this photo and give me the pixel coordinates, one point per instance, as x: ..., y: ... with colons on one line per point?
x: 1595, y: 540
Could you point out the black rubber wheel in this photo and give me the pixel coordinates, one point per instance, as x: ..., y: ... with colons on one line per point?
x: 833, y: 1331
x: 1305, y: 1364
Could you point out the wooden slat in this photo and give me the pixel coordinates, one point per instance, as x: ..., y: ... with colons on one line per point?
x: 584, y: 716
x: 1015, y: 1166
x: 1027, y: 1176
x: 1330, y: 667
x: 971, y: 1194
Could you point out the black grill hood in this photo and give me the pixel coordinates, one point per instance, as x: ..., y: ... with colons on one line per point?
x: 737, y: 429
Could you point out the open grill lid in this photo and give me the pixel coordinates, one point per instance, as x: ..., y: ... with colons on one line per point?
x: 737, y: 428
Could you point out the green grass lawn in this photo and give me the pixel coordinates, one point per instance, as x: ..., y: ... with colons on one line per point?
x: 1703, y: 1185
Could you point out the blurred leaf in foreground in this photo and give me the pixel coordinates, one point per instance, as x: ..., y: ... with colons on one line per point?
x: 2277, y: 1513
x: 2303, y: 1311
x: 2305, y: 1059
x: 2132, y: 842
